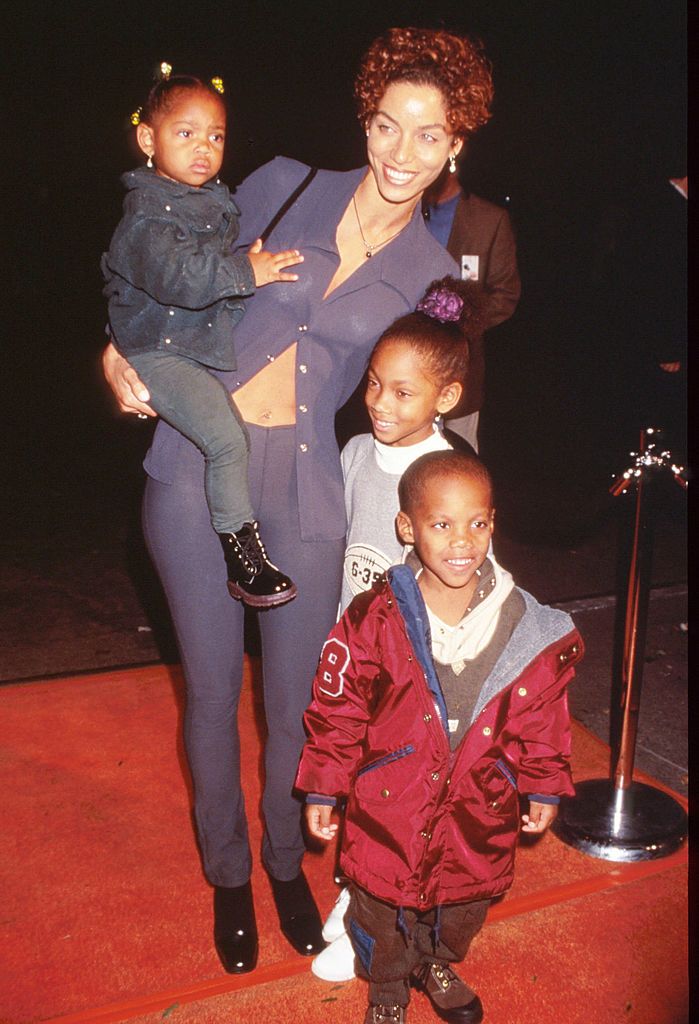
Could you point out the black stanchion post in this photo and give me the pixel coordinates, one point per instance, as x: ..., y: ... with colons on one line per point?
x: 618, y: 818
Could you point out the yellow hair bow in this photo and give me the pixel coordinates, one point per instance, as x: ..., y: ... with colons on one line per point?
x: 217, y: 83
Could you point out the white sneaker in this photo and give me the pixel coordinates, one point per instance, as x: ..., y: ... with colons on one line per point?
x: 334, y: 925
x: 336, y: 962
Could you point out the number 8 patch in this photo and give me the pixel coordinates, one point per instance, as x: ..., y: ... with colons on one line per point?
x: 334, y: 659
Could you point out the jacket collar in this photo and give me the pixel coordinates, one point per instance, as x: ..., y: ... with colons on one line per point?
x: 145, y: 178
x: 539, y: 628
x: 412, y: 607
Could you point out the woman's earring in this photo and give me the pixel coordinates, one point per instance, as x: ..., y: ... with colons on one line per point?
x: 149, y: 161
x: 452, y: 164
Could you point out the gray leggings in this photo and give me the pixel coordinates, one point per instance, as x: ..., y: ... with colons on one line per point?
x: 209, y: 628
x: 196, y: 403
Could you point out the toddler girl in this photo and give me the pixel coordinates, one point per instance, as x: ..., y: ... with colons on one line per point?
x: 416, y: 375
x: 174, y: 288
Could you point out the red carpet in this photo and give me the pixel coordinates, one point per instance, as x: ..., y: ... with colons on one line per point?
x: 106, y: 916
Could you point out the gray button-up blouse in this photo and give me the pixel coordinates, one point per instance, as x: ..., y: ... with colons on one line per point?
x: 334, y: 336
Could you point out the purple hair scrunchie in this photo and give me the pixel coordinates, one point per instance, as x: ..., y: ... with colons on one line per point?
x: 441, y: 304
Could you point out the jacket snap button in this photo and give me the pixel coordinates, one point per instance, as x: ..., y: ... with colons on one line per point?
x: 487, y: 730
x: 522, y: 691
x: 385, y: 792
x: 563, y: 656
x: 427, y: 718
x: 435, y: 776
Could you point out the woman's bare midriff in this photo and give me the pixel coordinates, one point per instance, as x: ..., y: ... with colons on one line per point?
x: 269, y: 398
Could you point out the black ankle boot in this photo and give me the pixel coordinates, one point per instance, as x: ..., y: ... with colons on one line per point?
x: 298, y: 915
x: 251, y: 575
x: 235, y: 928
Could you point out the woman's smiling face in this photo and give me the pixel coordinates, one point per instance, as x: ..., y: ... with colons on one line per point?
x: 409, y: 140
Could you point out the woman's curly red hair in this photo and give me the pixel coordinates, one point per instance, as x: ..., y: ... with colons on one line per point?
x: 453, y: 64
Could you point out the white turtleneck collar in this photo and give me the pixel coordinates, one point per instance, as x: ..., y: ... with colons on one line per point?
x: 395, y: 460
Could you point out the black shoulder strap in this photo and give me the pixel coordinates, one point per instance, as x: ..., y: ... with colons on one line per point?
x: 285, y: 206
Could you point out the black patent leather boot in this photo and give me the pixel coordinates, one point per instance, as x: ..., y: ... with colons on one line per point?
x: 251, y: 576
x: 235, y: 928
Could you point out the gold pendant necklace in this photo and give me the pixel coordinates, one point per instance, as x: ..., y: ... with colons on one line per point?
x: 370, y: 249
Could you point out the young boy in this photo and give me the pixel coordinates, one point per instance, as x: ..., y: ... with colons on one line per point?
x: 438, y: 702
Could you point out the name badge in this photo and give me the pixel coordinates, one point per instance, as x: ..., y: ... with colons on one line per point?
x: 469, y: 268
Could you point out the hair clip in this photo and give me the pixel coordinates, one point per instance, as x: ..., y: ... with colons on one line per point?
x: 217, y: 83
x: 441, y: 304
x: 165, y: 70
x: 136, y: 117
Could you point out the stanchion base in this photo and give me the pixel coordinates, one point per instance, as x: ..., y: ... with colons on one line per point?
x: 639, y: 823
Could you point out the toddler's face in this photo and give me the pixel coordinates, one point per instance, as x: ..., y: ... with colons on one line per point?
x: 450, y: 528
x: 401, y: 399
x: 186, y: 142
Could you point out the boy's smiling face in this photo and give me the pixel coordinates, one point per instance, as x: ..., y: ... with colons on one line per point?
x: 450, y: 526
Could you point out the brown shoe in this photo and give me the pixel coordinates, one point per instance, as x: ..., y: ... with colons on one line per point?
x: 451, y: 998
x: 378, y: 1013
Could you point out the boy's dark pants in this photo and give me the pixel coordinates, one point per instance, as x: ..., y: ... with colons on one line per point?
x: 385, y: 956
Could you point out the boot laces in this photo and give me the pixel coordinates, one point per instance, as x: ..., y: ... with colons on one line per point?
x: 441, y: 973
x: 252, y: 550
x: 387, y: 1014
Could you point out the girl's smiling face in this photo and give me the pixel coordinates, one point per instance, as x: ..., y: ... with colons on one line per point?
x: 186, y: 140
x: 402, y: 399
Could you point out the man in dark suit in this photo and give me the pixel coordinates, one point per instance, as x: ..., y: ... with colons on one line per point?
x: 479, y: 236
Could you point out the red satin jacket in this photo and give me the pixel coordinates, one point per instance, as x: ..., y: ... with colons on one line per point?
x: 424, y: 825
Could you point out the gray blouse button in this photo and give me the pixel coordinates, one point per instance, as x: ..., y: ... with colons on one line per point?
x: 171, y: 312
x: 270, y: 359
x: 303, y: 327
x: 303, y: 408
x: 303, y: 447
x: 303, y: 368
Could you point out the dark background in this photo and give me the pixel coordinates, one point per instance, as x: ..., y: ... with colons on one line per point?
x: 589, y: 123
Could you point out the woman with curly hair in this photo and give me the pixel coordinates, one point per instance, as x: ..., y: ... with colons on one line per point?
x: 301, y: 348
